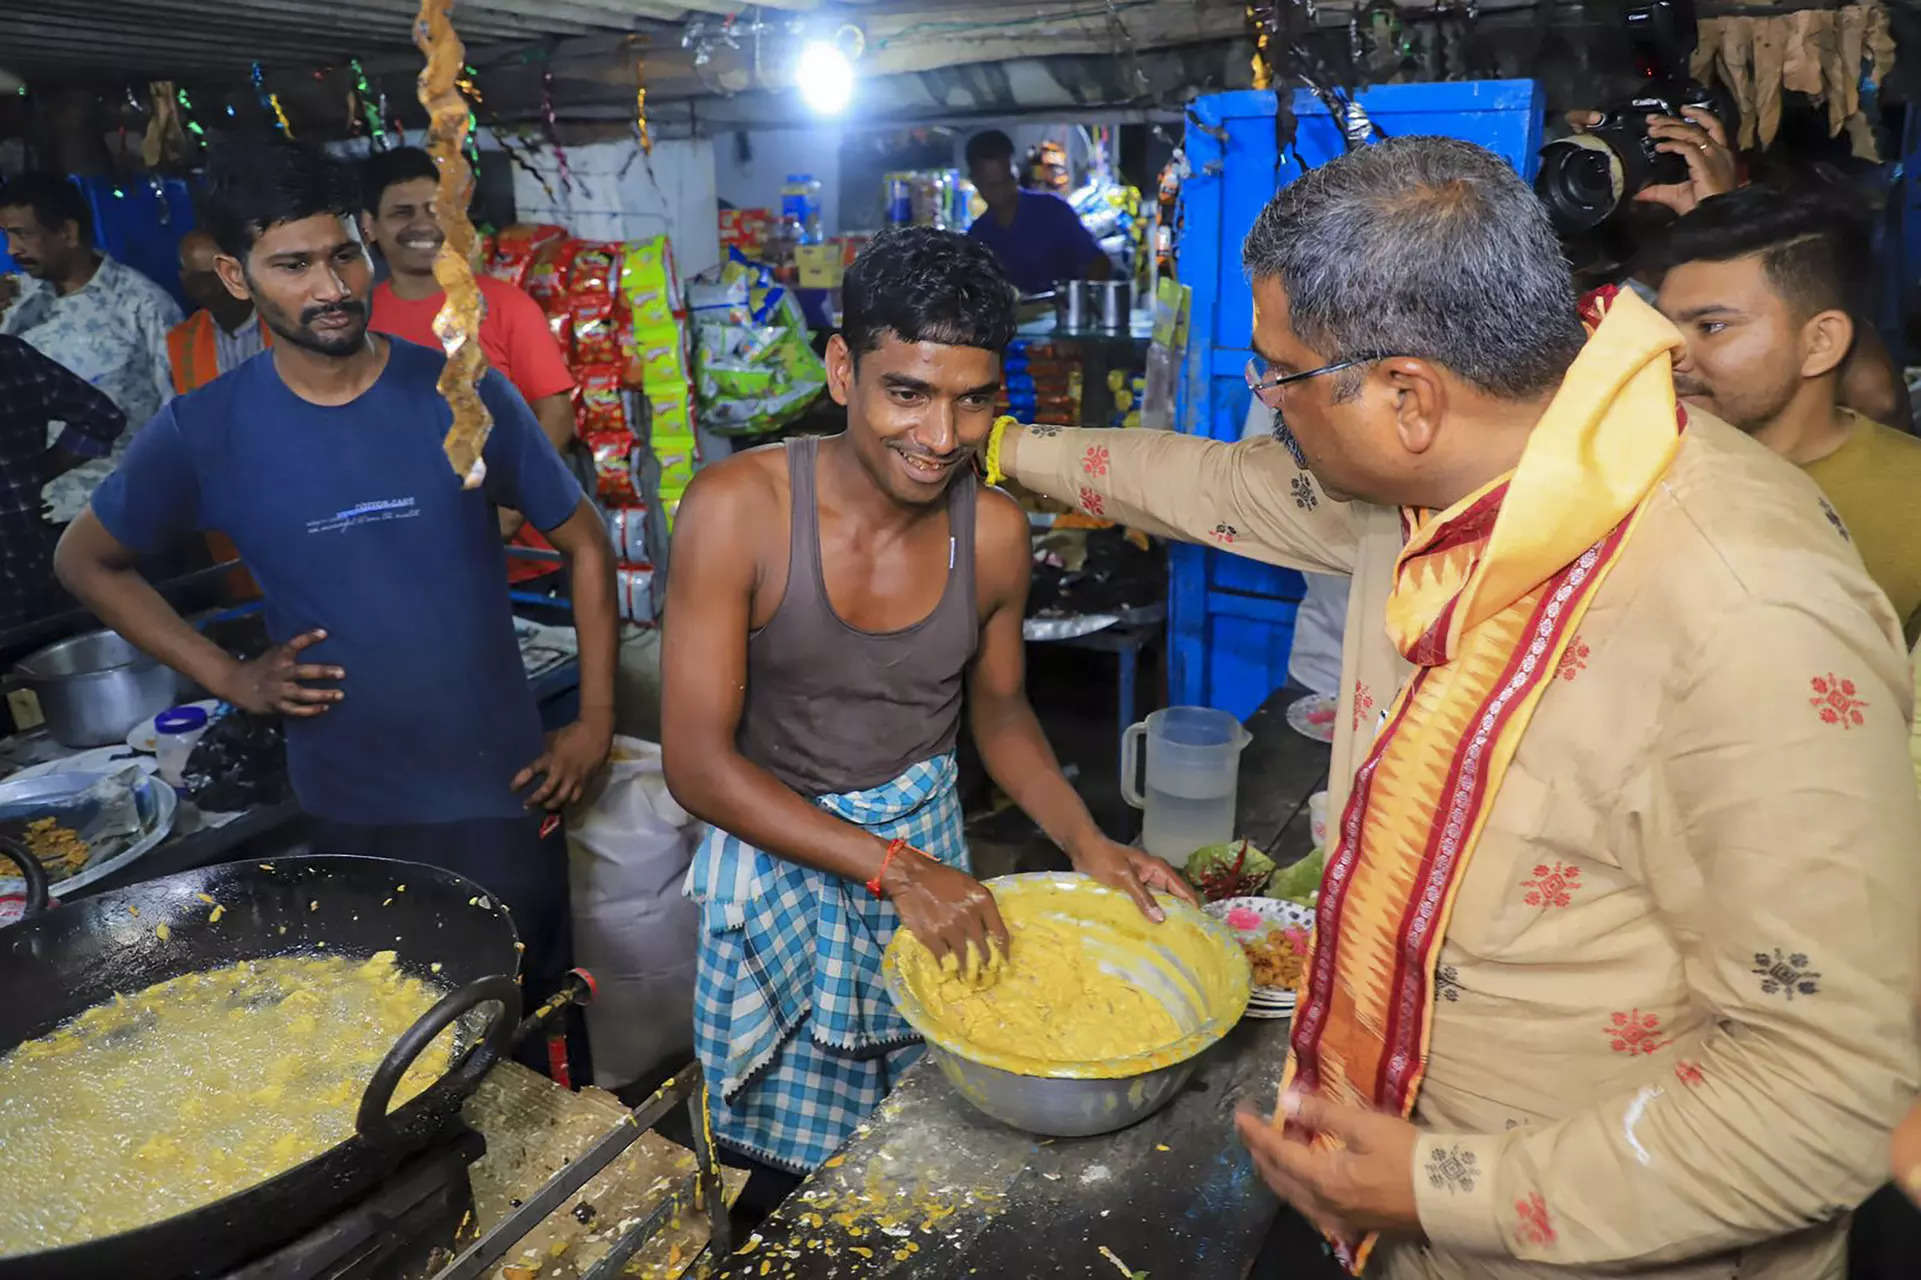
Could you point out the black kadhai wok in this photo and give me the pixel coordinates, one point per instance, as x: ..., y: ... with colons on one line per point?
x: 66, y: 959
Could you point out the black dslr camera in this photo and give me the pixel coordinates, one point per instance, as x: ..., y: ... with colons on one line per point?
x: 1586, y: 178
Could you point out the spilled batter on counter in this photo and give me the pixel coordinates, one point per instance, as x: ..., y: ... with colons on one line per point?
x: 1061, y: 995
x: 159, y: 1102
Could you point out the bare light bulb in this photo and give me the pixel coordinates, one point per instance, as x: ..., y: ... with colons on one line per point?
x: 824, y: 77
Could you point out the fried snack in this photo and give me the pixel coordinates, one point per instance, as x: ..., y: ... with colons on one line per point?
x: 458, y: 324
x: 60, y: 849
x: 1277, y: 957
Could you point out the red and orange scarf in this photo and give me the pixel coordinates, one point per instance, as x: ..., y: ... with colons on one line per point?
x: 1486, y: 595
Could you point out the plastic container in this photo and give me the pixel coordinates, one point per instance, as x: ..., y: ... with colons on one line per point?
x: 175, y: 731
x: 800, y: 208
x: 1193, y: 766
x: 899, y: 191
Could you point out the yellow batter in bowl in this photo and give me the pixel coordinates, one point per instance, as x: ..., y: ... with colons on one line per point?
x: 1090, y: 988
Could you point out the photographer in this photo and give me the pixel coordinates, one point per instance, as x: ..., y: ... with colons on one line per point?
x: 1700, y: 139
x: 1869, y: 382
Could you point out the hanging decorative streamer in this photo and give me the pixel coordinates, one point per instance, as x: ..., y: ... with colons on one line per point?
x: 640, y: 106
x: 369, y: 104
x: 553, y: 129
x: 471, y: 91
x: 186, y: 117
x: 520, y: 157
x: 269, y: 102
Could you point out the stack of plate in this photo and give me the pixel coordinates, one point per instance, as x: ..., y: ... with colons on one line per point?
x: 1250, y: 918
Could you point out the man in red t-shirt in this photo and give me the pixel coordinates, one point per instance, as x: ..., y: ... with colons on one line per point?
x: 399, y: 196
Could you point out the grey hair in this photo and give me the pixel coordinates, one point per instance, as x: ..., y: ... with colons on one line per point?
x: 1427, y: 247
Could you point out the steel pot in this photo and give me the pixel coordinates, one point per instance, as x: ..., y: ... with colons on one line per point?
x: 1072, y: 306
x: 1084, y: 306
x: 1110, y: 304
x: 94, y: 687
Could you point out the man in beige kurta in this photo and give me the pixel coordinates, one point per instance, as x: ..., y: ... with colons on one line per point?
x: 1672, y: 1010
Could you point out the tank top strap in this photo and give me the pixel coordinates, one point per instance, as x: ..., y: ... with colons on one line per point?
x: 804, y: 578
x: 961, y: 596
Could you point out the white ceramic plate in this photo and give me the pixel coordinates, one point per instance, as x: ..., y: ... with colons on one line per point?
x: 1251, y: 917
x: 144, y: 737
x: 1314, y: 716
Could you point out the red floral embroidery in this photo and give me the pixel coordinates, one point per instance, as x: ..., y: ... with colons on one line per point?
x: 1834, y: 699
x: 1535, y: 1227
x: 1094, y: 461
x: 1688, y: 1073
x: 1573, y: 659
x: 1363, y: 703
x: 1552, y: 885
x: 1092, y: 503
x: 1225, y: 534
x: 1634, y: 1032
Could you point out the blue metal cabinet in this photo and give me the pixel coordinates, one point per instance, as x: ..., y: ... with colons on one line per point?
x: 140, y: 221
x: 1231, y: 620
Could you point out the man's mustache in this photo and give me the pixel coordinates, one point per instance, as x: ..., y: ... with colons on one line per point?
x: 351, y: 309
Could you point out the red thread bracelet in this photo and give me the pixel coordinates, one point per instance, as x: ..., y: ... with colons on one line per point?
x: 894, y: 847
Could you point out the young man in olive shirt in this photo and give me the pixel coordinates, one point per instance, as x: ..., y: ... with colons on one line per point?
x: 1761, y: 286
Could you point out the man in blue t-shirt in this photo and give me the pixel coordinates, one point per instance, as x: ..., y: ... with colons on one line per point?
x: 411, y: 729
x: 1037, y: 235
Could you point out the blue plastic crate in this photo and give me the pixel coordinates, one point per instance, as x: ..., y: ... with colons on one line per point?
x: 1231, y: 620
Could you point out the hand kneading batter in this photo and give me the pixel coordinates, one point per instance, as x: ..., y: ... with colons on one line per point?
x: 1060, y: 995
x: 195, y: 1088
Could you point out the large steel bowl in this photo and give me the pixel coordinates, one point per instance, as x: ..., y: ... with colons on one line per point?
x: 1077, y: 1099
x: 94, y: 687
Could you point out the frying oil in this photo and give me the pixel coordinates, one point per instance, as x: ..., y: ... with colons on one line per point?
x: 155, y: 1103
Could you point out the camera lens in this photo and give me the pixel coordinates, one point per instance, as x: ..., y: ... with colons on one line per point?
x: 1580, y: 182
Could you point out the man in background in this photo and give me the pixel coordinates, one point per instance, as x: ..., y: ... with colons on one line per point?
x: 220, y: 335
x: 411, y: 729
x: 84, y: 310
x: 1036, y: 235
x: 1764, y: 286
x: 1869, y: 382
x: 399, y: 189
x: 34, y: 393
x: 218, y: 338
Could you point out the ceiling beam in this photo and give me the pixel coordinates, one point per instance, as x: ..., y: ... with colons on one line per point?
x: 357, y: 19
x: 601, y: 17
x: 42, y: 28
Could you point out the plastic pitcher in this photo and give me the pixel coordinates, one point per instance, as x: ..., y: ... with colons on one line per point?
x: 1193, y: 763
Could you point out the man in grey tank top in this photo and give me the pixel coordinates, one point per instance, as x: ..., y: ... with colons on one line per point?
x: 830, y: 603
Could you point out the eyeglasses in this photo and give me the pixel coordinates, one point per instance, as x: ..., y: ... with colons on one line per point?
x: 1268, y: 389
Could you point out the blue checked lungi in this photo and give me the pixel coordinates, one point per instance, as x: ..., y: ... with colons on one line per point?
x: 792, y: 1026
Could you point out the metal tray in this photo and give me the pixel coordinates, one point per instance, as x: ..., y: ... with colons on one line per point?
x: 58, y: 794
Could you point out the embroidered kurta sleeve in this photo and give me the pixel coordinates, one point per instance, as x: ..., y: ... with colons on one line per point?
x: 1793, y: 889
x: 1249, y: 498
